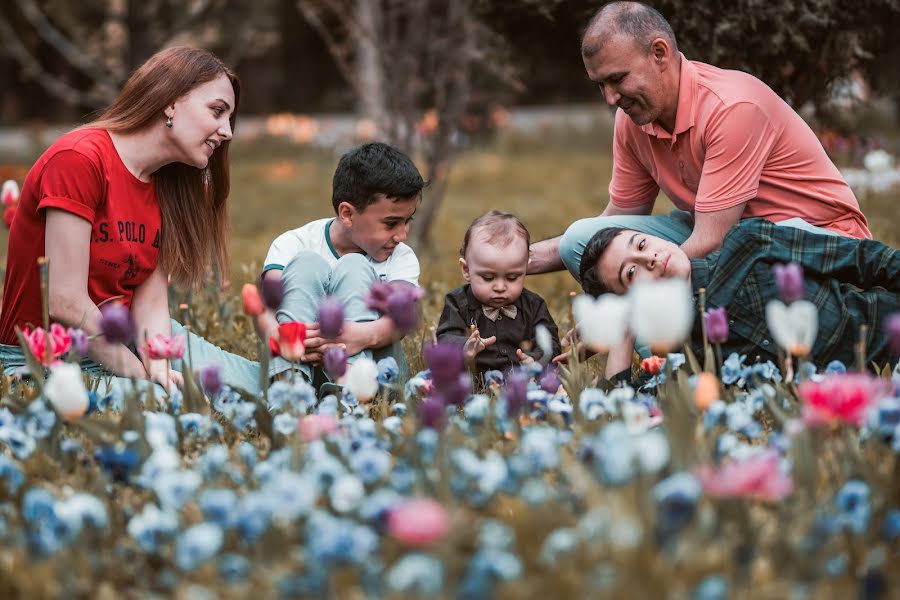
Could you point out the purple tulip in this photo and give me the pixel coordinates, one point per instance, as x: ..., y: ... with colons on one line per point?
x: 893, y: 332
x: 335, y: 362
x: 377, y: 298
x: 550, y: 381
x: 211, y: 378
x: 79, y: 342
x: 515, y: 392
x: 455, y: 391
x: 789, y: 280
x: 403, y: 310
x: 716, y: 325
x: 433, y: 413
x: 331, y: 317
x: 272, y: 291
x: 446, y: 361
x: 116, y: 323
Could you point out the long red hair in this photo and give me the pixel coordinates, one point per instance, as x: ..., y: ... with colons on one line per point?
x: 191, y: 200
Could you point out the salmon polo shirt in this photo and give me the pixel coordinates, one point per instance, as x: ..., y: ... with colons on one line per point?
x: 734, y: 141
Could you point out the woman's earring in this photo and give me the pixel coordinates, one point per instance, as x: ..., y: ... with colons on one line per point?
x: 169, y: 122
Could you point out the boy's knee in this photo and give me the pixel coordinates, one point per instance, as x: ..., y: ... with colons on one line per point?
x: 354, y: 264
x: 304, y: 266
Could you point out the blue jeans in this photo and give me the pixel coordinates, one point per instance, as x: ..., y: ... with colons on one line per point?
x: 306, y: 279
x: 237, y: 371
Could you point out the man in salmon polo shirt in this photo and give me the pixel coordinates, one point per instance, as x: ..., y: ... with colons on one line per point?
x: 720, y: 144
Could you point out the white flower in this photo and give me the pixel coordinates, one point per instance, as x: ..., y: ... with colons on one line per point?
x: 794, y: 327
x: 601, y: 322
x: 65, y: 391
x: 544, y: 342
x: 877, y: 161
x: 346, y: 493
x: 662, y: 312
x: 10, y: 192
x: 362, y: 379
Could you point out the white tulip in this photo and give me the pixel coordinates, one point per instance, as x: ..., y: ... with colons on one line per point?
x: 65, y: 391
x: 544, y: 342
x: 877, y: 161
x: 662, y: 312
x: 9, y: 193
x: 794, y: 327
x: 601, y: 323
x: 362, y: 379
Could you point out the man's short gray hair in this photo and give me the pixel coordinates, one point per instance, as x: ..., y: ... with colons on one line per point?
x: 636, y: 20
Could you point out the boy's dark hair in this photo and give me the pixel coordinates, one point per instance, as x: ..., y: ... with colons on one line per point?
x: 588, y: 270
x: 501, y: 228
x: 372, y: 170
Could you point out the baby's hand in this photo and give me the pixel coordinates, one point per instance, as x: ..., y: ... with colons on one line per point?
x: 524, y: 358
x: 476, y: 344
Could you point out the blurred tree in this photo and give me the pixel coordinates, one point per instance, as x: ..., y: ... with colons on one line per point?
x: 413, y: 66
x: 81, y: 52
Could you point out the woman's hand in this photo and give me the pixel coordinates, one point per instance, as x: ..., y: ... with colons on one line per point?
x: 164, y: 376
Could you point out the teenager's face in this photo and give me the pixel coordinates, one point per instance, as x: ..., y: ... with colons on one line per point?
x: 496, y: 275
x: 381, y: 226
x: 200, y: 121
x: 631, y: 78
x: 634, y: 256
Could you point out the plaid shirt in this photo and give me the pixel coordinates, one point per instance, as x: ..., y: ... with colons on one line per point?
x: 853, y: 282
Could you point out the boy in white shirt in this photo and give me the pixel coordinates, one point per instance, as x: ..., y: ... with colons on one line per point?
x: 375, y: 192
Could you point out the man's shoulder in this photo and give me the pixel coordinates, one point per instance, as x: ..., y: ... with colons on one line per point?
x: 726, y: 87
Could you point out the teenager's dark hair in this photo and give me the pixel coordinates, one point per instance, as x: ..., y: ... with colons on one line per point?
x: 636, y: 20
x: 373, y: 170
x: 588, y: 270
x: 501, y: 228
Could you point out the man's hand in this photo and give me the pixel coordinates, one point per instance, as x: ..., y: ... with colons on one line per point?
x: 475, y: 344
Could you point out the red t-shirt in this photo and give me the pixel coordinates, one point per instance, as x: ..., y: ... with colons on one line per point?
x: 81, y: 174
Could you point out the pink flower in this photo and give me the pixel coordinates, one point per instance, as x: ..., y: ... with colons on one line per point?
x: 653, y: 365
x: 420, y: 522
x: 840, y: 398
x: 60, y: 341
x: 313, y: 427
x: 160, y: 347
x: 758, y: 477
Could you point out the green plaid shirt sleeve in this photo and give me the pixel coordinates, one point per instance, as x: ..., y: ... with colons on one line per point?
x: 852, y: 282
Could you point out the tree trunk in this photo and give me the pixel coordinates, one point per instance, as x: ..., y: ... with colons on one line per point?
x: 369, y: 70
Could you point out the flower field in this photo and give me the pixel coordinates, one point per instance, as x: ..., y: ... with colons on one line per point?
x: 710, y: 478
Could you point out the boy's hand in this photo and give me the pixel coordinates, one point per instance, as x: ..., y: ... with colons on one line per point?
x: 476, y: 344
x: 524, y: 358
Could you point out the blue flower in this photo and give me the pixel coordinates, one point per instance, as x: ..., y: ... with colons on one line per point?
x: 713, y: 587
x: 213, y: 461
x: 197, y: 545
x: 40, y: 420
x: 426, y: 442
x: 119, y: 463
x: 243, y: 415
x: 885, y: 419
x: 388, y: 371
x: 225, y: 401
x: 38, y: 504
x: 853, y: 507
x: 152, y: 526
x: 403, y: 477
x: 675, y: 360
x: 890, y: 529
x: 11, y: 474
x: 416, y: 574
x: 593, y: 404
x: 174, y: 488
x: 370, y: 463
x: 676, y: 498
x: 292, y: 495
x: 300, y: 396
x: 219, y: 506
x: 835, y: 367
x: 376, y: 507
x: 7, y: 419
x: 82, y: 509
x: 160, y: 429
x: 233, y: 567
x: 285, y: 424
x: 557, y: 545
x: 21, y: 444
x: 732, y: 368
x: 476, y: 408
x: 333, y: 541
x: 200, y: 425
x: 540, y: 446
x: 493, y: 377
x: 254, y: 515
x: 247, y: 452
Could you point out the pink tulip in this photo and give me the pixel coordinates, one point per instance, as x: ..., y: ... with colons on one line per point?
x: 160, y: 347
x: 758, y: 477
x: 841, y: 398
x: 313, y: 427
x: 419, y: 523
x: 60, y: 341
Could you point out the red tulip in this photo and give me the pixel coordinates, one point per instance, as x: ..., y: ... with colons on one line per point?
x: 253, y: 304
x: 291, y: 338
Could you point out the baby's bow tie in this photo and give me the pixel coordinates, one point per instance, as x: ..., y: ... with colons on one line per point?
x: 492, y: 313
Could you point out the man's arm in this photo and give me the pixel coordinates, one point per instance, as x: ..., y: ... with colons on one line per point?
x: 710, y: 229
x: 544, y: 256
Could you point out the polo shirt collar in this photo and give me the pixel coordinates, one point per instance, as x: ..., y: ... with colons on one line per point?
x: 684, y: 112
